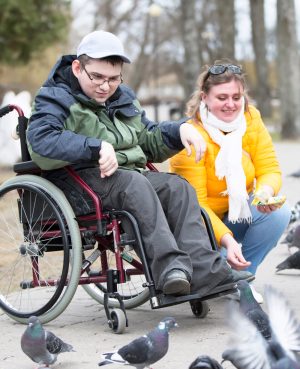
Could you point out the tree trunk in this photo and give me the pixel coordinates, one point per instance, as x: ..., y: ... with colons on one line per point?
x: 190, y: 44
x: 226, y: 20
x: 262, y: 93
x: 288, y: 68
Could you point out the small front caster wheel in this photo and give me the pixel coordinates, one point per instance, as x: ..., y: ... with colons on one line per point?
x: 199, y: 308
x: 117, y: 321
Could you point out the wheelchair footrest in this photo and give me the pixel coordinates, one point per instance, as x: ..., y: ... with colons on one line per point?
x: 161, y: 300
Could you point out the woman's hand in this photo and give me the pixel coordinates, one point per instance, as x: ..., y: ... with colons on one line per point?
x: 266, y: 208
x: 235, y: 257
x: 263, y: 194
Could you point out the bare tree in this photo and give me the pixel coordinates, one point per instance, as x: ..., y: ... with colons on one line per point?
x: 141, y: 64
x: 288, y: 68
x: 190, y: 42
x: 226, y: 21
x: 262, y: 93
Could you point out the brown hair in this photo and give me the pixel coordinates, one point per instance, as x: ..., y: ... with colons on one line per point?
x: 206, y: 81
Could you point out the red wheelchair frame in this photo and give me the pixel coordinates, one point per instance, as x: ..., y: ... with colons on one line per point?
x: 103, y: 228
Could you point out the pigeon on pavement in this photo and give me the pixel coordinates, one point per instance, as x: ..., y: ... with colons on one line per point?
x: 292, y: 238
x: 252, y: 309
x: 204, y: 361
x: 40, y: 345
x: 295, y: 212
x: 249, y: 350
x: 145, y: 350
x: 291, y: 262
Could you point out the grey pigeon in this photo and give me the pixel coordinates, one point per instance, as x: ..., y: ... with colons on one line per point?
x: 249, y: 350
x: 291, y: 262
x: 289, y: 235
x: 292, y: 238
x: 296, y: 237
x: 295, y: 212
x: 145, y: 350
x: 40, y: 345
x: 295, y: 174
x: 204, y: 361
x: 252, y: 309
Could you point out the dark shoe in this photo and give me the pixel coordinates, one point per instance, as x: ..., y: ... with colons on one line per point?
x: 176, y: 283
x: 229, y: 283
x: 235, y: 276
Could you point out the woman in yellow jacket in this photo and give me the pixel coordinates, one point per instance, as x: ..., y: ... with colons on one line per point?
x: 239, y: 164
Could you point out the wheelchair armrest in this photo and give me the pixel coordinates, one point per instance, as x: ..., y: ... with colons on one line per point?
x: 26, y: 167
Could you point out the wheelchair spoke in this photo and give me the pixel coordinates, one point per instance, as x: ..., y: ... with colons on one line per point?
x: 31, y: 254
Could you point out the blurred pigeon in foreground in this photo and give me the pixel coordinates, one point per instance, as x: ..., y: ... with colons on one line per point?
x: 249, y: 350
x: 251, y: 308
x: 292, y: 262
x: 145, y: 350
x: 204, y: 361
x: 41, y: 345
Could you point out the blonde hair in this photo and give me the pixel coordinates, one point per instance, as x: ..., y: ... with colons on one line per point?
x: 206, y: 81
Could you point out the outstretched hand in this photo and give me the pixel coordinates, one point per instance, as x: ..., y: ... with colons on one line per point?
x: 235, y: 256
x: 262, y: 196
x: 190, y: 136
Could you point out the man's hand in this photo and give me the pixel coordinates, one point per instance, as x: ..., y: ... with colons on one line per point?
x: 108, y: 163
x: 190, y: 136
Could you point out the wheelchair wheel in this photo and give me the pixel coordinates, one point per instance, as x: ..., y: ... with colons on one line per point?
x: 133, y: 292
x: 199, y: 308
x: 38, y: 276
x: 117, y: 321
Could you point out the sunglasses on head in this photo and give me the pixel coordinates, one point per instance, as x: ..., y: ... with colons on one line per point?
x: 221, y: 68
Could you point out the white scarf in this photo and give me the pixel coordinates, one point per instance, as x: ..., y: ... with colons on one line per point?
x: 229, y: 160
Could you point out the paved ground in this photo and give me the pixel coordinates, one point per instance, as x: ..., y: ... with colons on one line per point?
x: 84, y: 322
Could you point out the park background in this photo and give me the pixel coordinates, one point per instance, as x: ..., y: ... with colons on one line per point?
x: 169, y: 42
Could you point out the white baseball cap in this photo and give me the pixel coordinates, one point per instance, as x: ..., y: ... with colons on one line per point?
x: 100, y: 44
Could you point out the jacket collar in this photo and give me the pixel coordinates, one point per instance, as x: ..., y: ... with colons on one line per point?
x: 62, y: 74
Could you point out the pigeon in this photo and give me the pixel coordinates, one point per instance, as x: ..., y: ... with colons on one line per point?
x: 292, y: 238
x: 289, y: 235
x: 40, y: 345
x: 295, y: 174
x: 250, y: 350
x: 296, y: 237
x: 145, y: 350
x: 204, y: 361
x: 295, y: 212
x: 251, y: 308
x: 291, y: 262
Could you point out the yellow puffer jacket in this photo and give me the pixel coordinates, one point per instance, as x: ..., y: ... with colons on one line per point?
x: 259, y: 162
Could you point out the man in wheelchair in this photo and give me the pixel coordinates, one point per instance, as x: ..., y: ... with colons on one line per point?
x: 84, y: 114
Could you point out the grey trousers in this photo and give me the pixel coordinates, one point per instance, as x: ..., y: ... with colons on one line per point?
x: 166, y: 209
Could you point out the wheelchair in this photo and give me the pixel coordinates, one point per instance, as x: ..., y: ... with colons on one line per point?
x: 46, y: 250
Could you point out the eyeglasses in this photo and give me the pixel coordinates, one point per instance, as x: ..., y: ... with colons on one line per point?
x: 221, y: 68
x: 99, y: 80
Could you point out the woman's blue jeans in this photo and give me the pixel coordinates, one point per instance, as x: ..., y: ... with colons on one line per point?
x: 259, y: 237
